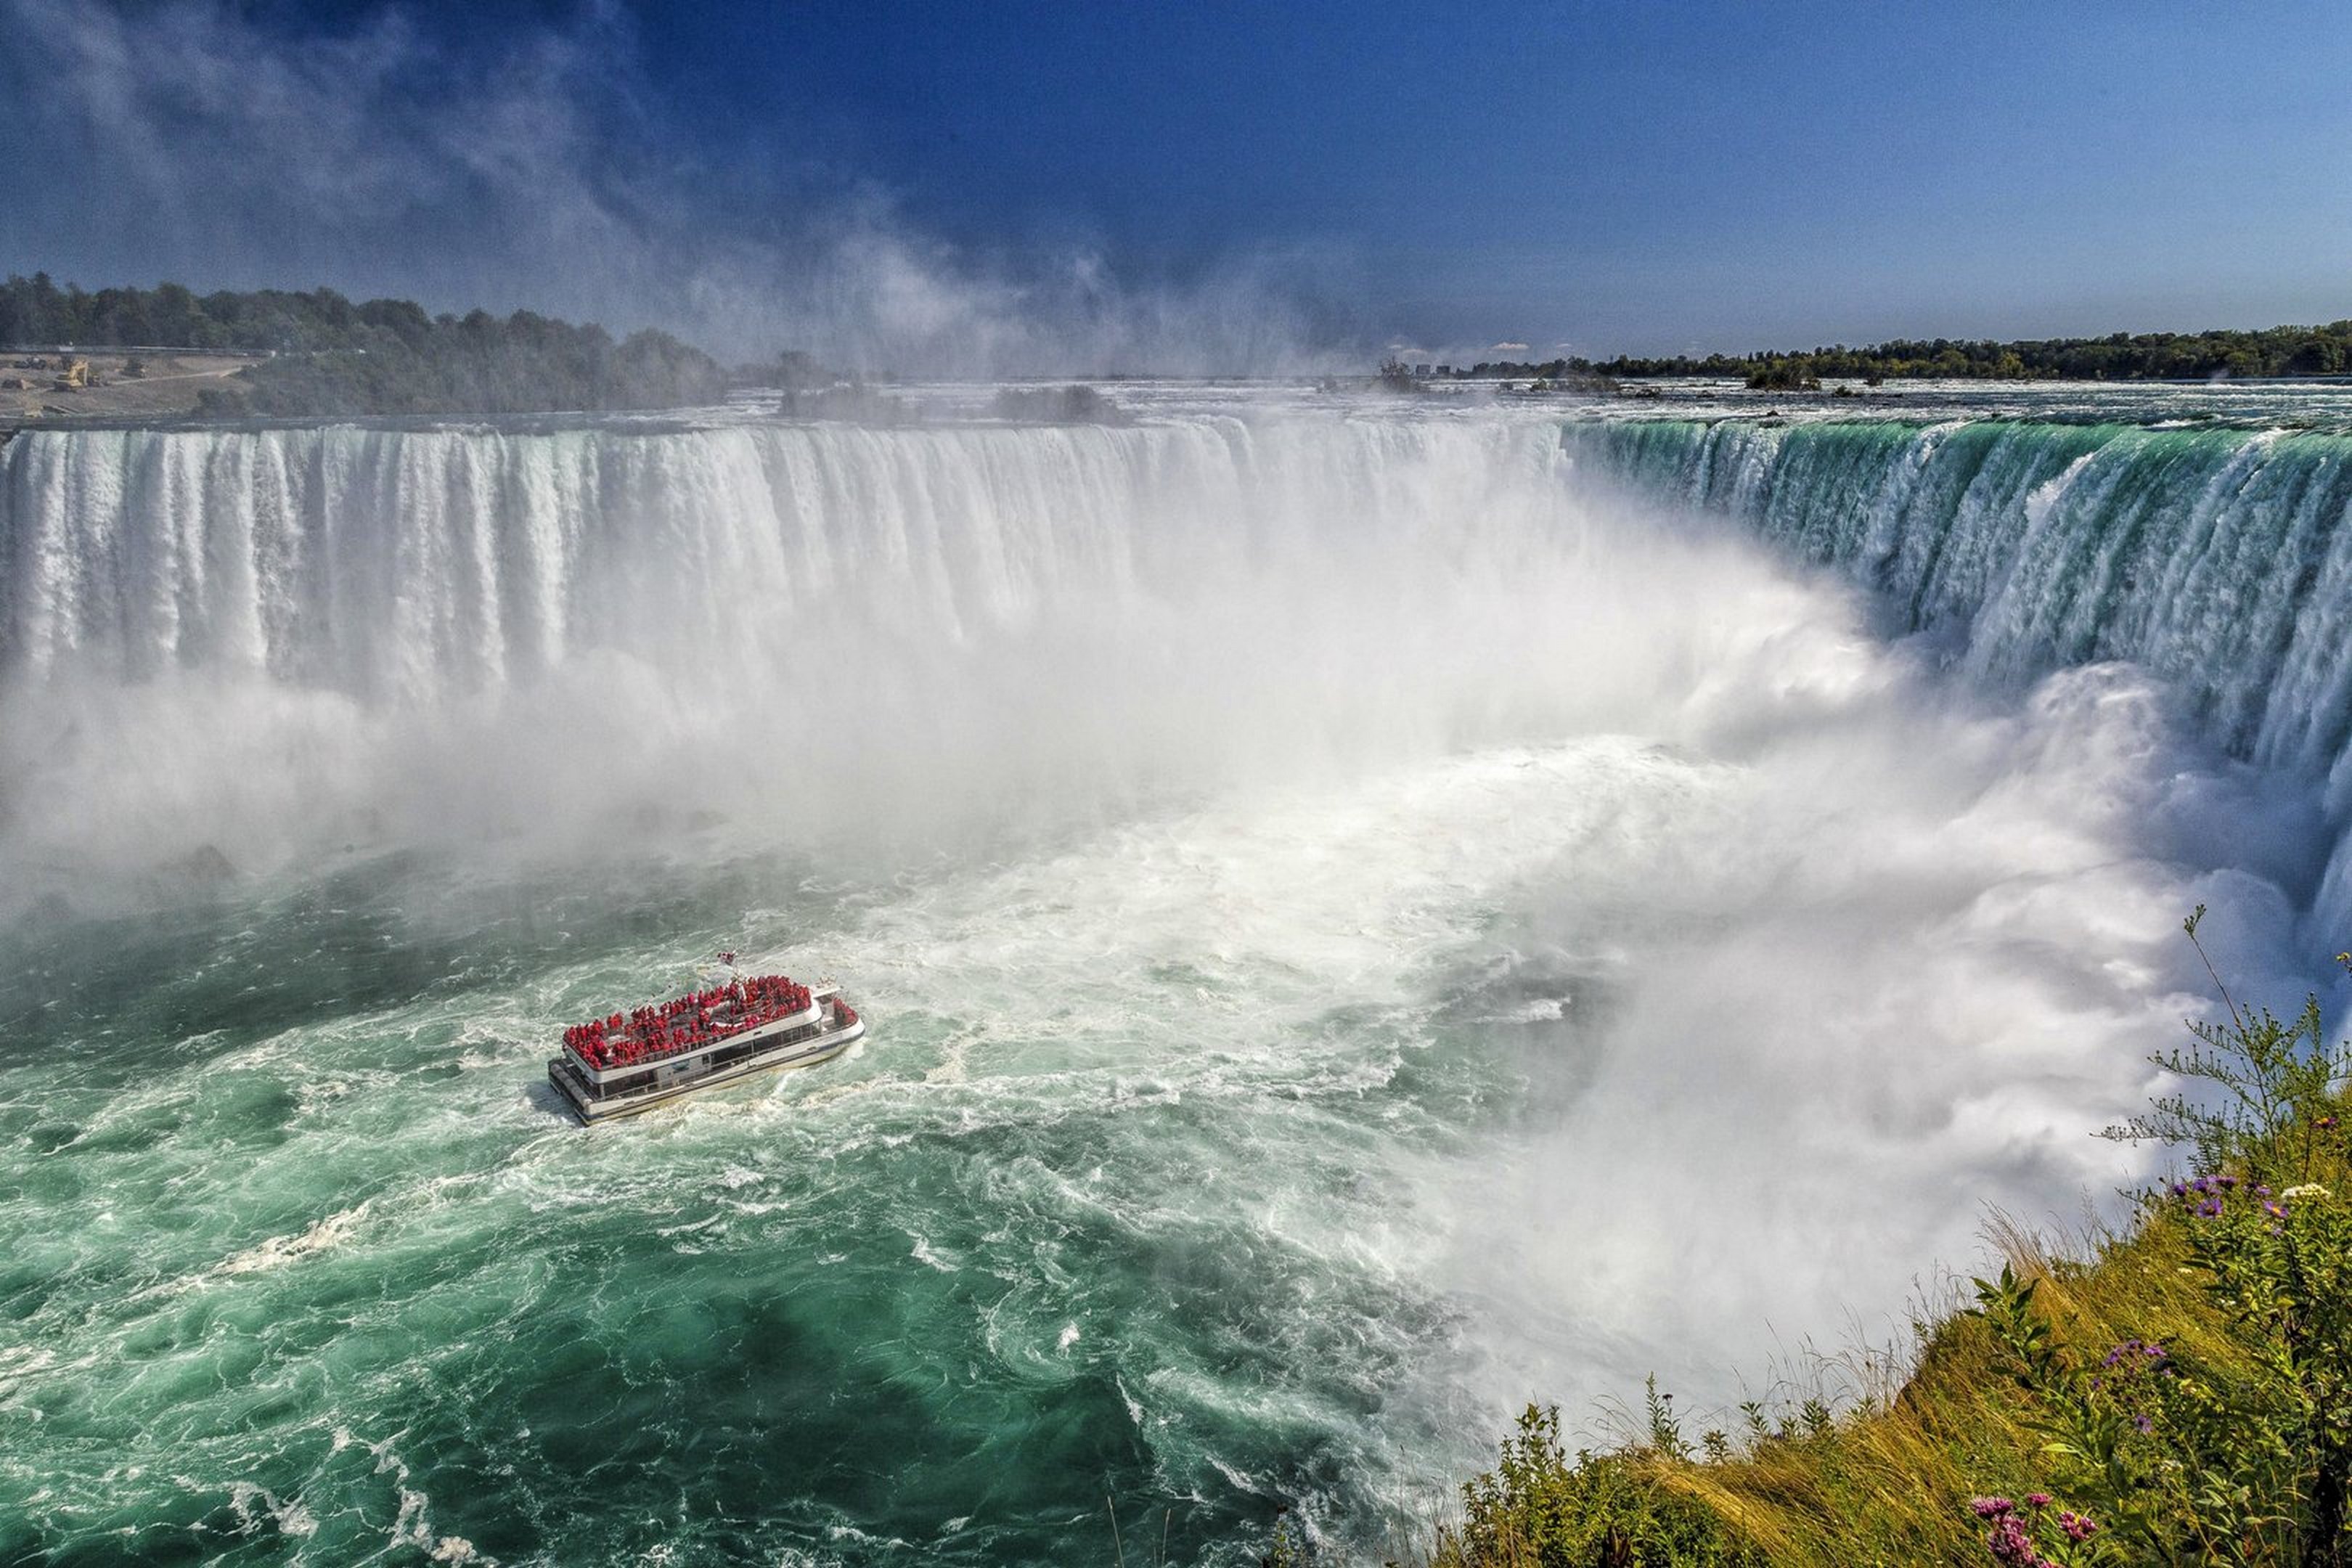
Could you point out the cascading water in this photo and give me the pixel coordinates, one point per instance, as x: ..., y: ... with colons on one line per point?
x: 2220, y: 558
x: 812, y: 625
x: 1361, y: 927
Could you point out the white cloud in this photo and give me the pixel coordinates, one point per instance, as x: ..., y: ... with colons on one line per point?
x: 184, y: 140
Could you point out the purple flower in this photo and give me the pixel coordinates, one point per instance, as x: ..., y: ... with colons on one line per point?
x: 2209, y: 1208
x: 2010, y: 1543
x: 2079, y: 1527
x: 2144, y: 1425
x: 2037, y: 1499
x: 1991, y: 1507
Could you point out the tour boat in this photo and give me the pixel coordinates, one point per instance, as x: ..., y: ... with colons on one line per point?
x: 724, y: 1033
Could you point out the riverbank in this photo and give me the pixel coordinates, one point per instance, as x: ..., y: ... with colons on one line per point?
x: 36, y: 387
x: 276, y: 354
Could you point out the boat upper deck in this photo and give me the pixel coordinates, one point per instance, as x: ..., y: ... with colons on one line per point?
x: 741, y: 1012
x: 827, y: 1027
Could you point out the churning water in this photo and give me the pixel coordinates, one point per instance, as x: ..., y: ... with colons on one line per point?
x: 1368, y: 916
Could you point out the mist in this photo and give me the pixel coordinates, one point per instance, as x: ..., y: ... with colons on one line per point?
x: 186, y: 141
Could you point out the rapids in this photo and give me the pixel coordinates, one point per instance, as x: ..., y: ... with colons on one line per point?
x: 1368, y: 915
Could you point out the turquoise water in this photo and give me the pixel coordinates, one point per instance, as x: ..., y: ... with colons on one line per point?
x: 1118, y: 1203
x: 1361, y: 927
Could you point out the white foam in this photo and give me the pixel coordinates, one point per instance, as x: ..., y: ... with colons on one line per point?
x: 277, y: 1252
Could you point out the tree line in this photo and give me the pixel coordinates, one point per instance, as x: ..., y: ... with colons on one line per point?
x: 2120, y: 356
x: 332, y: 357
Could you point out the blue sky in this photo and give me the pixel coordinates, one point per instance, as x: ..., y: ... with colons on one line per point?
x: 1207, y: 183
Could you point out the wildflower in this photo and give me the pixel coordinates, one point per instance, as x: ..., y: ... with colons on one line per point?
x: 2225, y: 1183
x: 2308, y: 1190
x: 2326, y: 1122
x: 2037, y: 1499
x: 2010, y: 1543
x: 2079, y: 1527
x: 2143, y: 1425
x: 2210, y: 1208
x: 1992, y: 1506
x: 2276, y: 1211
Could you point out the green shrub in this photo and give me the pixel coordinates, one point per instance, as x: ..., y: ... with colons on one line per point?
x: 2248, y: 1465
x: 1540, y: 1508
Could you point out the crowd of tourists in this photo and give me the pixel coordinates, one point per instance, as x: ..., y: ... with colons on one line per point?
x: 699, y: 1018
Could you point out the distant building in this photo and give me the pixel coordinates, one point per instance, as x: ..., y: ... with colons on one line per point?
x: 1421, y: 372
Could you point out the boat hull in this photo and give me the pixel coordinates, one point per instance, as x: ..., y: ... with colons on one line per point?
x: 580, y: 1097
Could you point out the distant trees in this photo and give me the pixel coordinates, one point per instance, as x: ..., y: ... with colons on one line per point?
x: 1782, y: 375
x: 35, y: 310
x: 2122, y: 357
x: 385, y: 356
x: 479, y: 365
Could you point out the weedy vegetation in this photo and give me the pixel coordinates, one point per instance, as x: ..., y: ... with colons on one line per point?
x: 2176, y: 1390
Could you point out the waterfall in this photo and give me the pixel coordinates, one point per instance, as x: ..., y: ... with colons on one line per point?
x: 316, y: 627
x: 500, y: 623
x: 2219, y: 559
x: 412, y: 567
